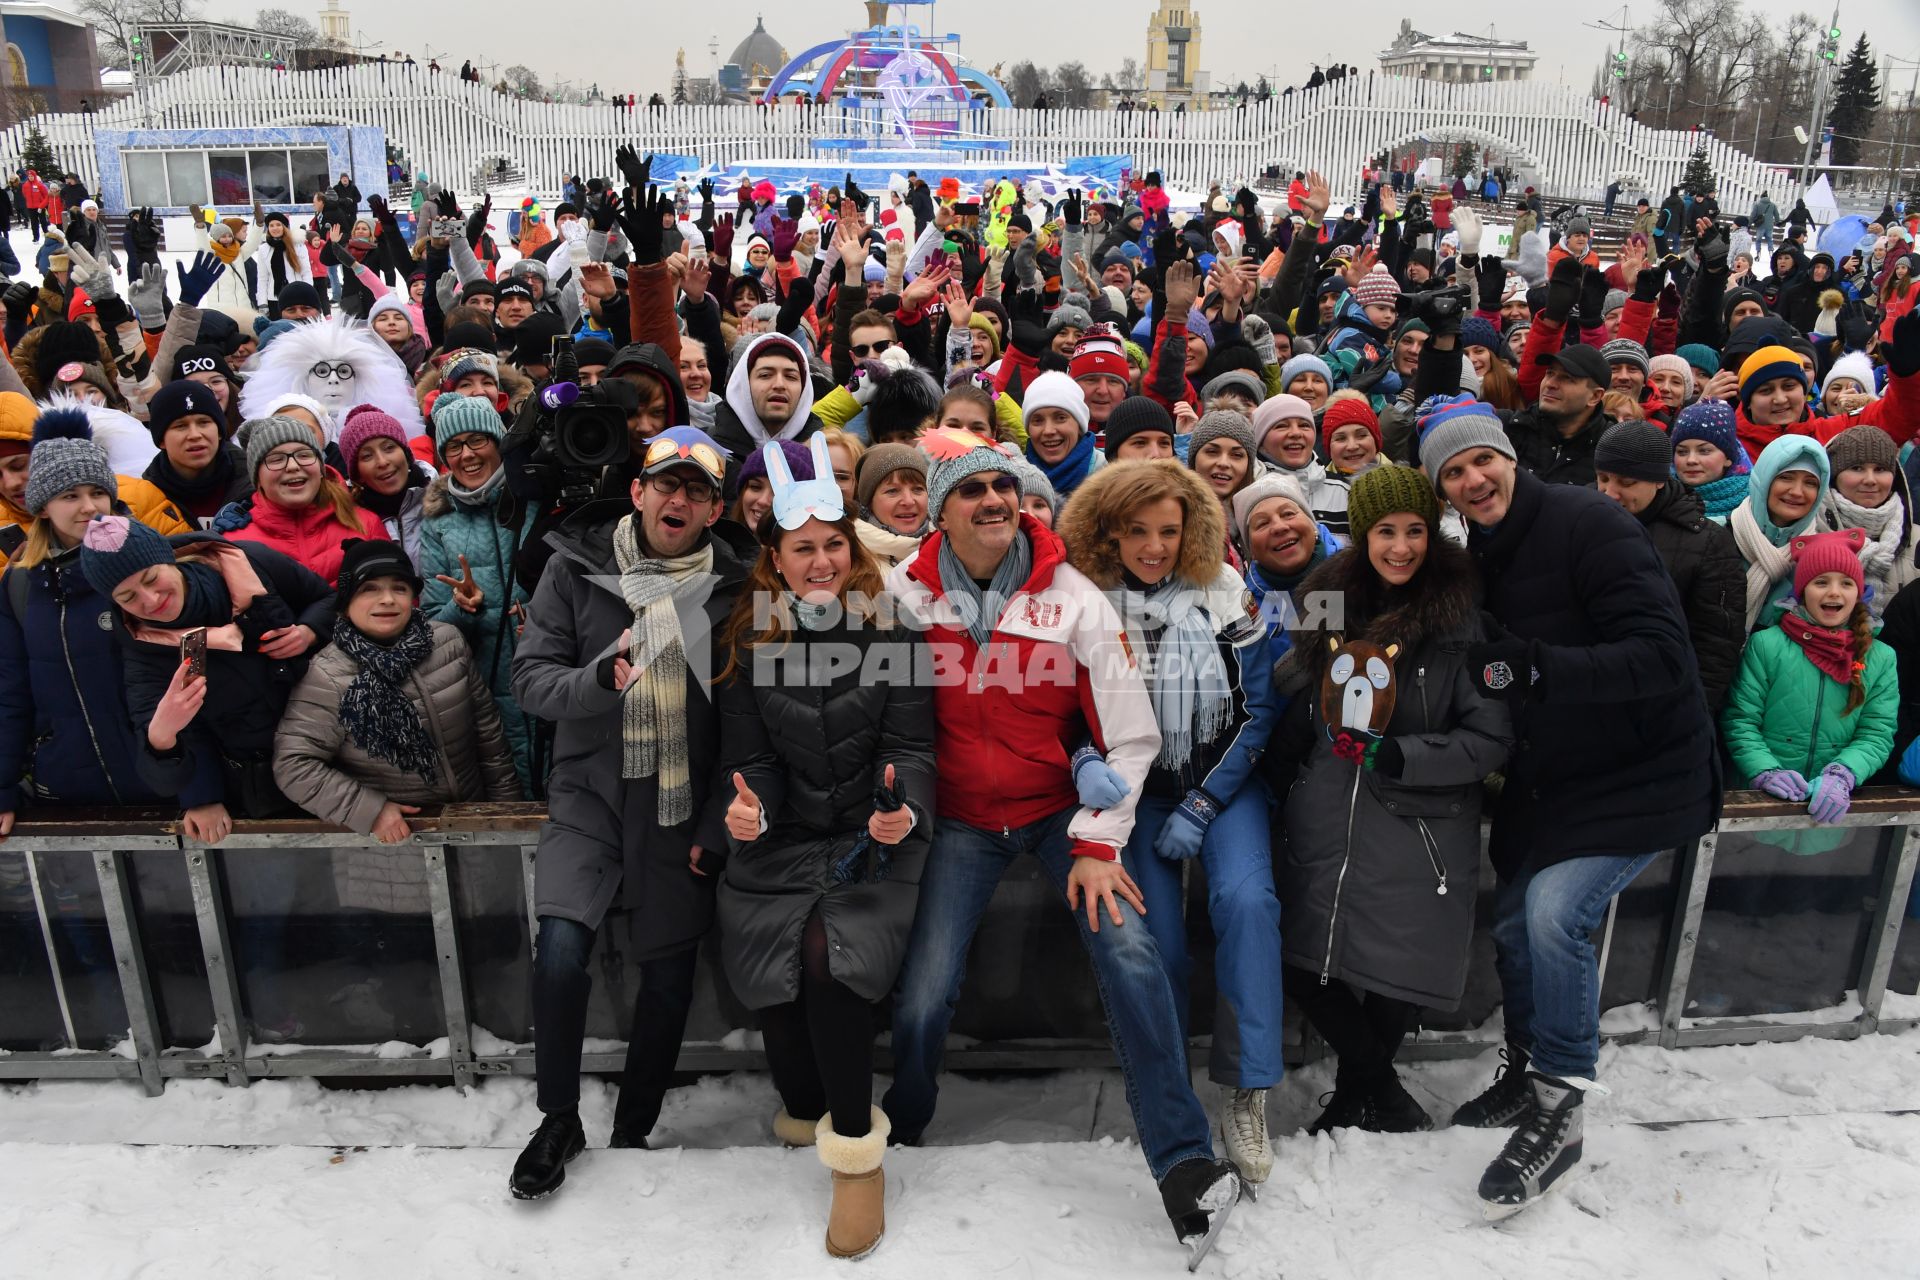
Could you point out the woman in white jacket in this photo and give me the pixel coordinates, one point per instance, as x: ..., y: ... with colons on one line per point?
x: 229, y: 291
x: 285, y: 262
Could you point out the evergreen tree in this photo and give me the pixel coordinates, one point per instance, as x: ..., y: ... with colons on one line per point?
x: 1698, y: 179
x: 680, y: 95
x: 37, y: 154
x: 1463, y: 159
x: 1856, y: 97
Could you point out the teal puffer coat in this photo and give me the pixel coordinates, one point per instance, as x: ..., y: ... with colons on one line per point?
x: 1785, y: 713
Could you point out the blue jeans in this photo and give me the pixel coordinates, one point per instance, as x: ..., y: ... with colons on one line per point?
x: 1245, y: 911
x: 963, y: 867
x: 333, y: 281
x: 1549, y: 972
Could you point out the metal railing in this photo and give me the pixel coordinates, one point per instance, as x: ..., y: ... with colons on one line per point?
x: 128, y: 951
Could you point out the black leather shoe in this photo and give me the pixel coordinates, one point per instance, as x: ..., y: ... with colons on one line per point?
x: 542, y: 1167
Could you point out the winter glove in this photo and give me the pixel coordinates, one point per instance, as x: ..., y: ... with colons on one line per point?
x: 1903, y: 356
x: 786, y: 234
x: 18, y: 299
x: 1186, y: 827
x: 640, y: 217
x: 195, y: 283
x: 1024, y: 269
x: 1832, y: 793
x: 1784, y: 784
x: 1072, y: 209
x: 1563, y: 289
x: 1491, y: 276
x: 1712, y: 248
x: 1029, y: 331
x: 1503, y: 668
x: 1668, y: 307
x: 477, y: 220
x: 866, y: 379
x: 1099, y: 786
x: 722, y: 246
x: 1593, y: 298
x: 1259, y: 335
x: 147, y: 296
x: 1647, y: 285
x: 1466, y: 225
x: 91, y: 274
x: 636, y: 171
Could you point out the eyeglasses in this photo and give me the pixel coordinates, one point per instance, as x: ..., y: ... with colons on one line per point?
x: 337, y: 372
x: 474, y: 444
x: 704, y: 456
x: 666, y: 484
x: 861, y: 349
x: 968, y: 490
x: 293, y: 458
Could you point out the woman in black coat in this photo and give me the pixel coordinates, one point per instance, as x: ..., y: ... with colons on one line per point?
x: 827, y: 738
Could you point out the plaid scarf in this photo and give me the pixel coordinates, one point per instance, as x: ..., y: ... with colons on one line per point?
x: 375, y: 710
x: 654, y: 708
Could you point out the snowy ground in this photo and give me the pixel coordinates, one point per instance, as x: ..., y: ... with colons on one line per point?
x: 1771, y: 1161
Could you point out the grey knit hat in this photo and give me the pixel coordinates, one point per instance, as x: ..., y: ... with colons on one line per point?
x: 1235, y: 380
x: 1034, y: 483
x: 1274, y: 484
x: 1626, y: 351
x: 1069, y: 313
x: 64, y: 463
x: 1636, y: 450
x: 1221, y: 422
x: 1616, y: 299
x: 264, y: 435
x: 952, y: 471
x: 1450, y: 425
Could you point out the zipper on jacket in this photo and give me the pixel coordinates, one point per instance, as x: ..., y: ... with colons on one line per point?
x: 1813, y: 730
x: 1333, y: 921
x: 1433, y: 855
x: 1426, y: 716
x: 80, y: 695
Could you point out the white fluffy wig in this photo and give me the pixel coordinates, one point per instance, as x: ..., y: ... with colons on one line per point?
x: 286, y: 367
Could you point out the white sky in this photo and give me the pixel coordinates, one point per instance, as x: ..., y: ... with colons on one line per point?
x: 630, y: 48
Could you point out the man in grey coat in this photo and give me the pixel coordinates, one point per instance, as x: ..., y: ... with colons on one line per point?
x: 617, y: 655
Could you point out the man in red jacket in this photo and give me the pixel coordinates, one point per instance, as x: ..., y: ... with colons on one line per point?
x: 1044, y: 736
x: 34, y: 191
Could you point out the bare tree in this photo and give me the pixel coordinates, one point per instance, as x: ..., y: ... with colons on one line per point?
x: 114, y: 22
x: 522, y: 80
x: 279, y: 22
x: 1024, y: 83
x: 1072, y: 86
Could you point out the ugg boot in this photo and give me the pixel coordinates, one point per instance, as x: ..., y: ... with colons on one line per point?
x: 859, y: 1215
x: 795, y: 1133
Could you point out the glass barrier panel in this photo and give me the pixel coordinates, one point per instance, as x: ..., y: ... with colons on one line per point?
x: 85, y: 947
x: 1905, y: 978
x: 28, y: 998
x: 489, y: 909
x: 170, y: 936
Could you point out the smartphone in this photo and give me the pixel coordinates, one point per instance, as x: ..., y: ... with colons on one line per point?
x: 193, y: 650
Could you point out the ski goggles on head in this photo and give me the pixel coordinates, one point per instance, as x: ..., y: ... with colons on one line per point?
x: 663, y: 452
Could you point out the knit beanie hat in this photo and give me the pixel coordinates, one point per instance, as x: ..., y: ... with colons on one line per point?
x: 1765, y: 365
x: 178, y: 399
x: 63, y: 343
x: 366, y: 422
x: 17, y: 414
x: 1637, y: 450
x: 1222, y: 423
x: 949, y: 472
x: 1100, y: 352
x: 1834, y: 552
x: 201, y: 358
x: 1132, y: 416
x: 1672, y: 364
x: 64, y: 457
x: 1378, y: 285
x: 1452, y: 424
x: 365, y: 559
x: 1855, y: 365
x: 1240, y: 380
x: 982, y: 324
x: 1277, y: 409
x: 799, y: 462
x: 116, y: 547
x: 468, y: 335
x: 1055, y: 390
x: 1200, y: 327
x: 457, y: 414
x: 1700, y: 356
x: 1343, y: 413
x: 1616, y: 299
x: 1388, y: 490
x: 1034, y: 483
x: 1625, y: 351
x: 1714, y: 422
x: 395, y: 302
x: 881, y: 461
x: 264, y: 435
x: 1274, y: 484
x: 1304, y: 363
x: 470, y: 360
x: 1069, y: 314
x: 1478, y: 331
x: 298, y: 293
x: 1858, y: 446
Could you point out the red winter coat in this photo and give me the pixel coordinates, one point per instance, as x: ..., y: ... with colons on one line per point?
x: 312, y: 536
x: 34, y: 190
x: 1897, y: 413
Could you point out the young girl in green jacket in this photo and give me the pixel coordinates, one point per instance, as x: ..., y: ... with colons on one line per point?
x: 1812, y: 713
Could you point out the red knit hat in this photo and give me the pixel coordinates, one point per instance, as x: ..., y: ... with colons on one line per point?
x: 81, y: 305
x: 1343, y: 413
x: 1818, y: 553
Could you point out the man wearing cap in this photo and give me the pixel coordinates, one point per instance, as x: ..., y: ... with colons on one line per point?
x: 1774, y: 400
x: 1555, y: 438
x: 1045, y: 734
x: 1627, y: 367
x: 1099, y: 365
x: 617, y: 655
x: 1614, y: 760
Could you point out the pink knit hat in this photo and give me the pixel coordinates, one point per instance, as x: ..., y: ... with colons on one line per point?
x: 366, y: 422
x: 1835, y: 552
x: 1378, y: 285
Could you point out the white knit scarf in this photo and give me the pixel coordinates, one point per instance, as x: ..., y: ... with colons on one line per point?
x: 654, y: 707
x: 1766, y: 563
x: 1884, y: 525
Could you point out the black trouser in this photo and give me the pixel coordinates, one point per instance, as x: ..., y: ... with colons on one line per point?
x: 37, y: 222
x: 561, y: 984
x: 820, y: 1047
x: 1364, y: 1029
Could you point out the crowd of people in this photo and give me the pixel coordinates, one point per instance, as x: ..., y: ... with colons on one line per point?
x: 815, y: 560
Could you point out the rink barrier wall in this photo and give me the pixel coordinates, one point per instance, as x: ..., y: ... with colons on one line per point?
x: 1556, y: 138
x: 1888, y: 819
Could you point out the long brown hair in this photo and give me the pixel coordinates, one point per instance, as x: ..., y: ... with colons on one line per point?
x: 750, y: 626
x: 1861, y: 624
x: 332, y: 492
x: 1499, y: 388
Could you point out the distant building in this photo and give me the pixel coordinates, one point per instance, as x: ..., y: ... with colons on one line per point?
x: 336, y: 24
x: 1458, y: 57
x: 1174, y: 77
x: 753, y: 65
x: 51, y: 63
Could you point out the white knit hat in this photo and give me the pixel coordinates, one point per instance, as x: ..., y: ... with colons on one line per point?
x: 1055, y: 390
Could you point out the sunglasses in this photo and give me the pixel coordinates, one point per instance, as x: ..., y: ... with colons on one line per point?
x: 968, y: 490
x: 862, y: 349
x: 704, y: 456
x: 337, y: 372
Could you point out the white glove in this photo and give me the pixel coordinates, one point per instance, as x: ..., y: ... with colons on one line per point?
x: 1466, y: 225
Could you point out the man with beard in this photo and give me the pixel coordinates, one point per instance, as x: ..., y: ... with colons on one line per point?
x: 769, y: 397
x: 1555, y: 438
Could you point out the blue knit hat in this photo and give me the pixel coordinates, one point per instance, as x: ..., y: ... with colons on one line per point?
x: 456, y: 415
x: 1453, y: 424
x: 1714, y: 422
x: 115, y: 548
x: 1301, y: 364
x: 1477, y: 331
x: 1700, y: 356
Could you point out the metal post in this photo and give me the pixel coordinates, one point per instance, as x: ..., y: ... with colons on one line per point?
x: 453, y: 985
x: 136, y: 991
x: 53, y: 952
x: 223, y: 973
x: 1696, y: 869
x: 1883, y: 934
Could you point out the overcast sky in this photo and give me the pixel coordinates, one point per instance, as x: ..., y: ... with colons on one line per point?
x: 630, y: 49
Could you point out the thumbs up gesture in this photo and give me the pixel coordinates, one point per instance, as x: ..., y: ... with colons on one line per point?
x: 890, y: 826
x: 743, y: 815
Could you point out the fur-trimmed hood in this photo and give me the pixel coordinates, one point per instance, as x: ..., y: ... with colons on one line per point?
x: 1089, y: 525
x: 1442, y: 600
x: 515, y: 385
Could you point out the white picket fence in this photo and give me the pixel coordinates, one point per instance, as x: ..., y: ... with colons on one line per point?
x: 1561, y: 141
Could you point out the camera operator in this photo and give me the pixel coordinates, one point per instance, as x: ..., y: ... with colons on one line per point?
x: 616, y: 654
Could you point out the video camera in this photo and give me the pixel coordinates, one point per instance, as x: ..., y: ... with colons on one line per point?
x: 570, y: 441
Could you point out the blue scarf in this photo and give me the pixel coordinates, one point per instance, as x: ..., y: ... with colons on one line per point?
x: 1065, y: 475
x: 1721, y: 496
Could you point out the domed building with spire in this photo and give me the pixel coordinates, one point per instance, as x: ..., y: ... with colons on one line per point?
x: 753, y: 63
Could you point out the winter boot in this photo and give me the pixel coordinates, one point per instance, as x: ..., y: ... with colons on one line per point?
x: 542, y: 1167
x: 794, y: 1133
x: 1199, y: 1196
x: 1504, y: 1102
x: 858, y: 1217
x: 1389, y: 1108
x: 1244, y: 1126
x: 1544, y: 1149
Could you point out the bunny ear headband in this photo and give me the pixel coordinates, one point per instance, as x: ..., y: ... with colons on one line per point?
x: 797, y: 501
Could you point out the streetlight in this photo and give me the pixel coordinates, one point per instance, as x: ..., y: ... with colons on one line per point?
x: 1619, y: 69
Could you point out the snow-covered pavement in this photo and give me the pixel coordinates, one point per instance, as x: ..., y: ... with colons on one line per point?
x: 1782, y: 1161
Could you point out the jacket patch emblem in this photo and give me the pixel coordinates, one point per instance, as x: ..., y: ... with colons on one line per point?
x: 1126, y: 647
x: 1043, y: 613
x: 1497, y: 676
x: 105, y: 620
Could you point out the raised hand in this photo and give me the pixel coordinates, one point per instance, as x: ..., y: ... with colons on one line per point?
x: 786, y: 234
x: 596, y: 281
x: 699, y: 272
x: 890, y: 827
x: 723, y: 238
x: 1074, y: 210
x: 147, y: 294
x: 921, y: 291
x: 195, y: 283
x: 959, y: 306
x: 467, y: 593
x: 1319, y: 196
x: 636, y: 171
x: 1181, y: 289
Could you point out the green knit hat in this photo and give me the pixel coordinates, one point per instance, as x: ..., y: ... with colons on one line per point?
x: 1387, y: 490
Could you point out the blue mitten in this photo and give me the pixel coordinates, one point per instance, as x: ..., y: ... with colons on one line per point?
x: 1832, y: 793
x: 1099, y: 786
x: 1186, y: 827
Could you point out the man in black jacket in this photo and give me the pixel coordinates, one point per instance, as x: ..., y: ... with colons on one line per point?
x: 1555, y: 438
x: 1614, y: 760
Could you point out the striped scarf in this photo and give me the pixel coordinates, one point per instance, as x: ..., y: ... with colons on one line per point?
x: 654, y: 707
x: 375, y: 710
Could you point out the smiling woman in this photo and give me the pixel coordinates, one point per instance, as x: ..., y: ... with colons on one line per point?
x: 297, y: 506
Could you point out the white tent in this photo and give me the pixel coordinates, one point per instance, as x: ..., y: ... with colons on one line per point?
x: 1819, y: 198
